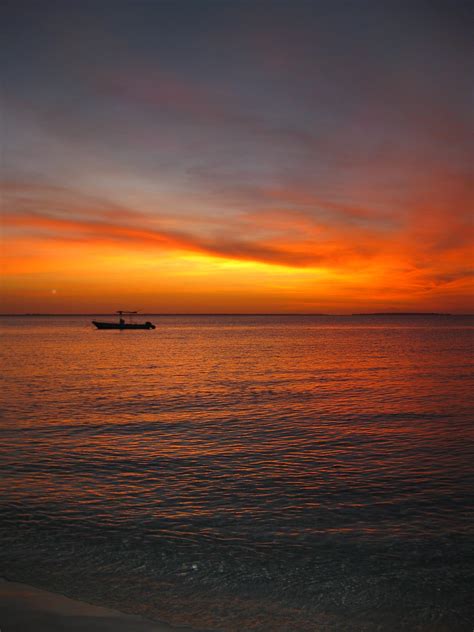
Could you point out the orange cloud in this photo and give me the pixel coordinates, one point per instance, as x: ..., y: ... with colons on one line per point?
x: 253, y: 257
x: 273, y: 239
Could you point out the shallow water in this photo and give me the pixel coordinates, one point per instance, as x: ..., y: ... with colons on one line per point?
x: 244, y: 473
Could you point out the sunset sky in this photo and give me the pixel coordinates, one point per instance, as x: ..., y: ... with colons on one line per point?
x: 226, y: 156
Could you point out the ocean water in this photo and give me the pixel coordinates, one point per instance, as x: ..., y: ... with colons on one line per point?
x: 244, y: 473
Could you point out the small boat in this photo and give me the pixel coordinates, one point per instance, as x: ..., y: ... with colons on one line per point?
x: 122, y: 324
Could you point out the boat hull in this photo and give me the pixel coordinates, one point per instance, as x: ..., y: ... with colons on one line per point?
x: 103, y: 325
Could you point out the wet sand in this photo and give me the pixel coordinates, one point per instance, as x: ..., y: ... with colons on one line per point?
x: 27, y: 609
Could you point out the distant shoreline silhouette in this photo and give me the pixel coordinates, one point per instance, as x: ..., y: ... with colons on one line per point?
x: 234, y: 314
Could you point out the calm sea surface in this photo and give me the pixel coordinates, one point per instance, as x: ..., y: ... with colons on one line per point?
x: 244, y: 473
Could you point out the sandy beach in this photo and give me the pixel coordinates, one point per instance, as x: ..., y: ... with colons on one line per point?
x: 27, y: 609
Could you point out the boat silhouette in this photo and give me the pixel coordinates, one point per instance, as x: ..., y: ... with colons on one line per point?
x: 122, y: 324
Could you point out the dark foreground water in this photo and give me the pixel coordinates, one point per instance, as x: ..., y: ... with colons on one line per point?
x: 244, y: 473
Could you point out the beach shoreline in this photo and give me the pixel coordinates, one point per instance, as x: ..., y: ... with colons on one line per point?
x: 25, y: 608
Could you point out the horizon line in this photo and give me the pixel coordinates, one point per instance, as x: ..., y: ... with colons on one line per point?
x: 145, y: 313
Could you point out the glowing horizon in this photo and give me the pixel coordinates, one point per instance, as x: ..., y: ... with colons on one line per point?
x: 236, y: 159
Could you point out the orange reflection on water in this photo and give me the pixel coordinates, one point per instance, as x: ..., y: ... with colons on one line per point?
x: 236, y: 416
